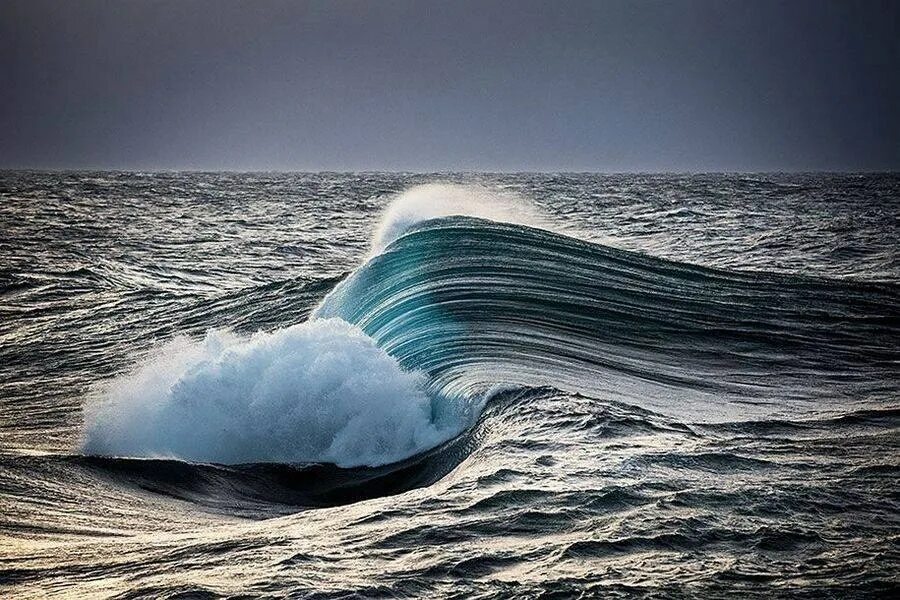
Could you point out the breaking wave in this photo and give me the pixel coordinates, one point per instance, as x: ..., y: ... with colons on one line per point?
x: 464, y: 295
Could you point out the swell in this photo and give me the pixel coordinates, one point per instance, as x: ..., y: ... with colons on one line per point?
x: 477, y: 303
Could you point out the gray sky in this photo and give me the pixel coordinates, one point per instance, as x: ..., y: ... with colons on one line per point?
x: 588, y: 86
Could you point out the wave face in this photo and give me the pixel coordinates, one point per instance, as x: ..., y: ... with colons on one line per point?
x: 477, y: 304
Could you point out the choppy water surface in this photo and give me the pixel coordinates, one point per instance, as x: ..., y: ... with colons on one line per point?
x: 349, y: 385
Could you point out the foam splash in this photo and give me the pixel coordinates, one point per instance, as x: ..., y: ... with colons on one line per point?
x: 435, y: 200
x: 320, y: 391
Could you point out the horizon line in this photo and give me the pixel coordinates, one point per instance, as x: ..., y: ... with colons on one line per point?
x: 454, y: 172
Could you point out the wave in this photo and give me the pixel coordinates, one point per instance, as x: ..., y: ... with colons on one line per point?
x: 400, y: 356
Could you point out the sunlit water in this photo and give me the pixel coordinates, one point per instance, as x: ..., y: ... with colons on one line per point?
x: 345, y: 385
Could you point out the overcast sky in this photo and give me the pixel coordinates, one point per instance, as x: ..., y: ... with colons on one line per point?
x: 583, y: 86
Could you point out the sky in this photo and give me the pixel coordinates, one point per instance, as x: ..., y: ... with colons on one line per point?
x: 603, y: 86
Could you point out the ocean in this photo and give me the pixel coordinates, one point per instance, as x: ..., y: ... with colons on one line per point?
x: 454, y: 385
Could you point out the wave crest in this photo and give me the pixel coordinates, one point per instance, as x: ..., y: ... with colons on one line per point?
x: 435, y: 200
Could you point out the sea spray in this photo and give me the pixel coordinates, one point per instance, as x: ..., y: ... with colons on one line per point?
x: 431, y: 201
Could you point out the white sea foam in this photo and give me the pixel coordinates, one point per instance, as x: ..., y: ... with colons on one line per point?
x: 320, y: 391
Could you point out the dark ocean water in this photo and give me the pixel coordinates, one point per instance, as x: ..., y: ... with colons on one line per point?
x: 492, y: 386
